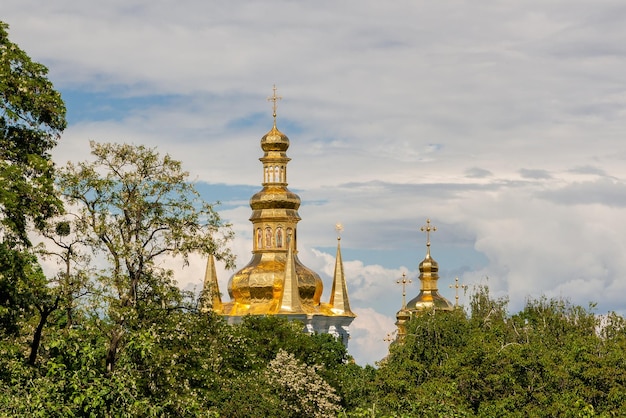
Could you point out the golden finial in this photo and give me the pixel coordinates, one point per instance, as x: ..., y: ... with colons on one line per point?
x: 339, y: 229
x: 427, y: 228
x: 274, y: 98
x: 404, y: 280
x: 456, y: 287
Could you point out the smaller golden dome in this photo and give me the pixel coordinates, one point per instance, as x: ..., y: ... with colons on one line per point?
x: 403, y: 315
x: 429, y: 265
x: 274, y: 140
x: 429, y: 297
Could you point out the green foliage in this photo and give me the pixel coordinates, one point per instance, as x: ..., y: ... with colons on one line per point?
x: 267, y: 335
x: 136, y: 208
x: 550, y: 359
x: 32, y: 117
x: 183, y: 365
x: 302, y: 391
x: 21, y: 281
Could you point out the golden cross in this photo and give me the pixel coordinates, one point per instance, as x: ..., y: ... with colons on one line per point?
x: 427, y: 228
x: 404, y: 280
x: 389, y: 338
x: 274, y: 99
x: 456, y: 287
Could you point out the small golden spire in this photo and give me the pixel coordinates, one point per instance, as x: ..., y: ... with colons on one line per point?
x: 211, y: 298
x: 274, y: 98
x: 290, y: 299
x: 339, y: 301
x: 427, y: 228
x: 456, y: 287
x: 404, y: 281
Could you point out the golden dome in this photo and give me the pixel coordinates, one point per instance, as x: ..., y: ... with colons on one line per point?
x: 272, y: 197
x: 429, y: 297
x: 275, y: 282
x: 257, y: 288
x: 275, y: 141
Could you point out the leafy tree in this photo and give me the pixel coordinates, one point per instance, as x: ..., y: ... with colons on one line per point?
x: 551, y: 359
x: 136, y: 208
x: 267, y: 335
x: 21, y: 282
x: 32, y: 117
x: 303, y: 391
x: 66, y: 287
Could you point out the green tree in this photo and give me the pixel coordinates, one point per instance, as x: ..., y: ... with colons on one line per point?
x: 65, y: 288
x: 550, y: 359
x: 303, y: 391
x: 32, y: 118
x: 137, y: 208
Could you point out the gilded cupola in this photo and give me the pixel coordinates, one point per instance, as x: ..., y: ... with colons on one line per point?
x: 259, y: 286
x: 275, y: 282
x: 429, y: 297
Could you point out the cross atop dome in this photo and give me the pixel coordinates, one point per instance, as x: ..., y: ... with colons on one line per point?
x: 274, y: 98
x: 427, y: 228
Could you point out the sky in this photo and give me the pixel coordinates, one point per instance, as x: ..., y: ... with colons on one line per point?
x: 503, y: 122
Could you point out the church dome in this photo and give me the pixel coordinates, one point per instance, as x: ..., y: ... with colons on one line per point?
x: 257, y: 287
x: 275, y: 198
x: 275, y: 282
x: 429, y: 265
x: 429, y: 297
x: 274, y: 140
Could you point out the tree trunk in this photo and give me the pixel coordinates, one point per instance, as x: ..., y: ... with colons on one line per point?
x: 116, y: 336
x: 43, y: 318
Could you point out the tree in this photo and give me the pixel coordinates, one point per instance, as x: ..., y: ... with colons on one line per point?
x: 21, y: 282
x: 67, y: 286
x: 303, y: 391
x: 550, y: 359
x: 32, y: 118
x: 136, y: 208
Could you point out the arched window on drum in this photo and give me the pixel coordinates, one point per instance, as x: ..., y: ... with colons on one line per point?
x: 259, y: 238
x: 268, y: 237
x: 279, y: 237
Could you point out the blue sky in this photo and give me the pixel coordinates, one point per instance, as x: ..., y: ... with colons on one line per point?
x: 503, y: 122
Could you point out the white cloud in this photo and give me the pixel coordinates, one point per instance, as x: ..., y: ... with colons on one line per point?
x: 369, y: 333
